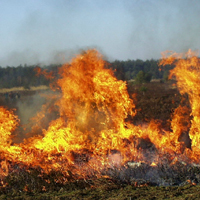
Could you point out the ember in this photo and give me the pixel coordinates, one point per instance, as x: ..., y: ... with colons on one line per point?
x: 92, y: 137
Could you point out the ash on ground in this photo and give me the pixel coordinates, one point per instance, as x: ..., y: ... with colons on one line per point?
x: 163, y: 174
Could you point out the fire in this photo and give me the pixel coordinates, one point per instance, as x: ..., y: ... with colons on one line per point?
x: 187, y: 72
x: 8, y: 124
x: 92, y: 131
x: 92, y: 112
x: 92, y: 108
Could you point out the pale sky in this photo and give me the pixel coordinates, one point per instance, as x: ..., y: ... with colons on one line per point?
x: 53, y: 31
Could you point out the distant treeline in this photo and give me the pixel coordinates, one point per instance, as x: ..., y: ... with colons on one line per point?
x: 130, y: 69
x: 26, y: 76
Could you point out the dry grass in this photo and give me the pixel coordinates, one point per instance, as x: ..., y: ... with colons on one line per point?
x: 15, y: 89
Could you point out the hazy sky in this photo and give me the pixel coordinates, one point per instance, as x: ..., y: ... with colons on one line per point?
x: 52, y: 31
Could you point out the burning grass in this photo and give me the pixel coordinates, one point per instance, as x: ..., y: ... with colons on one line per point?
x: 95, y: 137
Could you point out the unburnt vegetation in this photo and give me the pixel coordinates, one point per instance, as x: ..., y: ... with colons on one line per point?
x: 103, y: 188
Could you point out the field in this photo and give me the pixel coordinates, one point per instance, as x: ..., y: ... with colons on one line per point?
x: 108, y: 189
x: 154, y: 101
x: 98, y: 138
x: 21, y: 89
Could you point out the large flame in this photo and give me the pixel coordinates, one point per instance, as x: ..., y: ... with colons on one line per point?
x: 187, y: 72
x: 93, y: 128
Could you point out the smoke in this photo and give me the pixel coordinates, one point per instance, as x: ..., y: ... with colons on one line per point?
x: 29, y: 106
x: 50, y: 32
x: 35, y: 112
x: 164, y: 25
x: 17, y: 58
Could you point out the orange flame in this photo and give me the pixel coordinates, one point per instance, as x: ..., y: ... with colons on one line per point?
x: 187, y: 72
x: 92, y: 126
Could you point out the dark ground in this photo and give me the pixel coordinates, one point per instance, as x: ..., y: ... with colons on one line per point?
x: 108, y: 189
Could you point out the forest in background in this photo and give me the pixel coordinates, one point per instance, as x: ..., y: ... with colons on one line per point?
x: 26, y: 75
